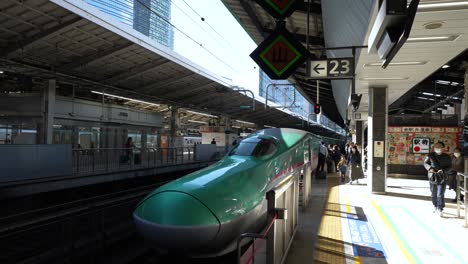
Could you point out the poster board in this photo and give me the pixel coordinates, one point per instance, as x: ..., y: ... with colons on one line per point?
x: 400, y: 142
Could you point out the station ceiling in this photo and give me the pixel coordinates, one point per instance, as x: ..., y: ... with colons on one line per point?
x: 439, y: 36
x: 73, y: 42
x: 259, y: 24
x: 416, y: 68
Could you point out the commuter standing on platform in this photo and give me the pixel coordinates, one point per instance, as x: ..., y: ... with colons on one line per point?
x: 438, y: 165
x: 458, y: 165
x: 129, y: 146
x: 323, y: 152
x: 354, y: 164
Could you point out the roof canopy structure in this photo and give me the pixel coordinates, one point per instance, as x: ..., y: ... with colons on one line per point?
x: 77, y: 44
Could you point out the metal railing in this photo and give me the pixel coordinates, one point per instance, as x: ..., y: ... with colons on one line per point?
x: 88, y: 161
x: 279, y: 236
x: 462, y: 187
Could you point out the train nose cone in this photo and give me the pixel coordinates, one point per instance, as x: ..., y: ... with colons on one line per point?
x: 175, y: 221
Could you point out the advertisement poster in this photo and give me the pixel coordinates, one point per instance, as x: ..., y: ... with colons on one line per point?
x: 404, y: 141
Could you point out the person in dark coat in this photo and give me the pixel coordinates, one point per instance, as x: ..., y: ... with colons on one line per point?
x: 438, y: 166
x: 336, y: 154
x: 458, y: 165
x: 354, y: 164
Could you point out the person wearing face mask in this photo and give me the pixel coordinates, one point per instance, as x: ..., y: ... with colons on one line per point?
x: 438, y: 165
x: 458, y: 165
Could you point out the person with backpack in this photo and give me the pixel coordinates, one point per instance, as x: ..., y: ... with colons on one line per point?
x: 342, y: 167
x: 438, y: 165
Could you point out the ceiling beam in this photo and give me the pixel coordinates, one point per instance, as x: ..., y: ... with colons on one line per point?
x: 247, y: 6
x: 188, y: 91
x: 315, y: 8
x: 166, y: 82
x: 94, y: 57
x: 313, y: 40
x: 140, y: 69
x: 40, y: 36
x: 446, y: 100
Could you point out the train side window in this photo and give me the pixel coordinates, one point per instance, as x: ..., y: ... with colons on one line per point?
x: 265, y: 148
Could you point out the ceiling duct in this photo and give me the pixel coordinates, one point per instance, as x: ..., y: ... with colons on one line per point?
x: 391, y: 28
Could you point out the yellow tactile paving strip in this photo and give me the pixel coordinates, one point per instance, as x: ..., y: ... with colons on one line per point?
x: 329, y: 247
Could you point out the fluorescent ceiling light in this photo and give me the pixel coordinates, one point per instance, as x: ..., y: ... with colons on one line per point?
x: 269, y: 126
x: 198, y: 113
x: 125, y: 98
x: 236, y: 126
x: 401, y: 63
x: 442, y: 82
x: 432, y: 38
x: 195, y: 121
x: 431, y: 94
x: 445, y: 66
x: 240, y: 121
x: 1, y: 72
x: 441, y: 6
x: 424, y: 98
x: 384, y: 78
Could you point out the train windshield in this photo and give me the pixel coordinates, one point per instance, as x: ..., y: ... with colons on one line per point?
x: 254, y: 147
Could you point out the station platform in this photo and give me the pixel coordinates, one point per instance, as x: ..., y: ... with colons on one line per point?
x: 344, y: 223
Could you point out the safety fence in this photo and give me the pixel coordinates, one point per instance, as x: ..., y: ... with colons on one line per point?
x: 462, y: 189
x: 272, y: 244
x: 90, y: 161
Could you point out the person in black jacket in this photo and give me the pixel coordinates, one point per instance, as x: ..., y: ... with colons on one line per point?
x: 354, y: 163
x: 438, y: 165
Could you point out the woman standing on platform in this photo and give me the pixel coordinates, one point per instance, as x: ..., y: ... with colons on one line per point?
x: 458, y: 165
x: 354, y: 164
x: 438, y: 165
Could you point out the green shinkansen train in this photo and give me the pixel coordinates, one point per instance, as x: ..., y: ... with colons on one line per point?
x: 206, y: 211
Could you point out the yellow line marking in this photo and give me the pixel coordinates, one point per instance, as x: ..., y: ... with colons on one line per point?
x: 392, y: 231
x: 357, y: 259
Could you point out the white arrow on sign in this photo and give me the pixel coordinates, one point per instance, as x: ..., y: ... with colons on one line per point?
x: 318, y: 68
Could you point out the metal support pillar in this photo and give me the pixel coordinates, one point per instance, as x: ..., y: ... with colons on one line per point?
x: 377, y: 139
x: 49, y: 103
x: 227, y: 137
x: 359, y: 132
x: 174, y: 127
x: 465, y: 114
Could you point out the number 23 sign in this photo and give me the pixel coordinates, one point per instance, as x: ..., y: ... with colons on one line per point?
x: 336, y: 68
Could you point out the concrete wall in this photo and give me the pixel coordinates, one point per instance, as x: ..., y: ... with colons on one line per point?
x: 21, y: 104
x: 94, y: 111
x: 24, y: 162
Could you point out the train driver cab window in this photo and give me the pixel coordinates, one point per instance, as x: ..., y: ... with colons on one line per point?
x: 246, y: 147
x: 264, y: 148
x: 254, y: 147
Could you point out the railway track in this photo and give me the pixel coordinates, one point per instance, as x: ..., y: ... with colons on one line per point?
x: 71, y: 231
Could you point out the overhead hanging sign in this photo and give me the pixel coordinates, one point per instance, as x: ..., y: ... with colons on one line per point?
x: 279, y: 55
x: 336, y: 68
x: 279, y: 8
